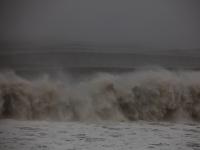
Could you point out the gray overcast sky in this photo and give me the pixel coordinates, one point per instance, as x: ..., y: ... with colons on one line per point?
x: 149, y: 23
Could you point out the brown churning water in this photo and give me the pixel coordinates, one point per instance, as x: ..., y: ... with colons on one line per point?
x: 140, y: 95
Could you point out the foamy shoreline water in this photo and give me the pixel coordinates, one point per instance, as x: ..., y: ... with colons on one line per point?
x: 46, y: 135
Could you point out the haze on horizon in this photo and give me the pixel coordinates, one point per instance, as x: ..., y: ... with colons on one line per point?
x: 171, y: 24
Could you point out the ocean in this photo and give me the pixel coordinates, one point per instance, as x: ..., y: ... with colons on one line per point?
x: 99, y: 100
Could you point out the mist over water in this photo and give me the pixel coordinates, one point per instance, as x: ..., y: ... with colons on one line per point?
x: 156, y: 94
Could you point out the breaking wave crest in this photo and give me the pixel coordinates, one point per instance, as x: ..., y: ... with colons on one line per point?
x: 141, y: 95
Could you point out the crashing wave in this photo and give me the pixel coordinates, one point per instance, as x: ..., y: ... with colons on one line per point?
x: 141, y: 95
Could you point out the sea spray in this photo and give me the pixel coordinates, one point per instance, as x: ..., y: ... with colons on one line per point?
x: 140, y: 95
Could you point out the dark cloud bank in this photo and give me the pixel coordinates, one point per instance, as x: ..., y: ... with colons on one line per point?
x: 140, y: 23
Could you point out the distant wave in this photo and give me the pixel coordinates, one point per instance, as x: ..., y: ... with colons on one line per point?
x: 140, y: 95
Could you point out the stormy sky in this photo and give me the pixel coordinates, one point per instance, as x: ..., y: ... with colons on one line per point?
x: 149, y: 23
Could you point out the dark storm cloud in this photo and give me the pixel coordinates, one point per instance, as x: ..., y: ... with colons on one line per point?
x: 156, y: 23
